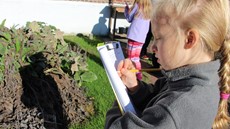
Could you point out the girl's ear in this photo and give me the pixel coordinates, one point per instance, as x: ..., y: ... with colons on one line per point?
x: 191, y: 38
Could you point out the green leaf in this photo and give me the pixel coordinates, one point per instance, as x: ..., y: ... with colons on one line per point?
x: 61, y: 48
x: 17, y: 45
x: 88, y: 76
x: 7, y: 36
x: 77, y: 76
x: 65, y: 65
x: 1, y: 77
x: 16, y: 65
x: 34, y: 26
x: 72, y: 54
x: 53, y: 70
x: 2, y: 49
x: 74, y: 67
x: 25, y: 52
x: 3, y: 23
x: 59, y: 35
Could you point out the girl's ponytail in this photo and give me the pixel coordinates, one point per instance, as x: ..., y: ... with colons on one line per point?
x: 222, y: 120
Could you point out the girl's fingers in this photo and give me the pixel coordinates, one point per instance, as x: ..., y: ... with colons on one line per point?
x: 120, y: 65
x: 128, y: 64
x: 125, y: 64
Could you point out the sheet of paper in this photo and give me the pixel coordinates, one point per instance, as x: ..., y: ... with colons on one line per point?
x: 111, y: 54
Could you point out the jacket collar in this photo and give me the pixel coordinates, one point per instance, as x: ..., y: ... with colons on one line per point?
x: 197, y: 70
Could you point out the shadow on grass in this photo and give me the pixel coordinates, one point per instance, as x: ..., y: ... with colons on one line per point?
x: 92, y: 42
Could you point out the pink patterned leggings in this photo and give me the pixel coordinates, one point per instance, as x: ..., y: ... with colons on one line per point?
x: 133, y: 53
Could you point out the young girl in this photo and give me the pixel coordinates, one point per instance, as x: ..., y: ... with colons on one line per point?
x: 192, y: 45
x: 139, y: 17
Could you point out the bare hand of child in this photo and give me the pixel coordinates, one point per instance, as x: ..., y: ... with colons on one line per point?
x: 128, y: 77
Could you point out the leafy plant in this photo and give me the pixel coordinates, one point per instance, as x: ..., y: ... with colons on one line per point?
x: 39, y: 73
x: 37, y: 37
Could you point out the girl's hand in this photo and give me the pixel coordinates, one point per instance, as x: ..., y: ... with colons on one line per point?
x: 129, y: 78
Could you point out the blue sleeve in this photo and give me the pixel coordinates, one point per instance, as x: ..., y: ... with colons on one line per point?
x: 130, y: 15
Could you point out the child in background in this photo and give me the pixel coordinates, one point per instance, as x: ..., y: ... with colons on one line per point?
x: 139, y: 17
x: 144, y: 52
x: 149, y: 36
x: 192, y: 46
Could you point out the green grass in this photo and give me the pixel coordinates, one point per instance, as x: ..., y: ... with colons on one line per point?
x: 100, y: 90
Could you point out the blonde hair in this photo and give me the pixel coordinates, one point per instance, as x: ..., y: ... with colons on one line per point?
x: 145, y: 8
x: 211, y: 19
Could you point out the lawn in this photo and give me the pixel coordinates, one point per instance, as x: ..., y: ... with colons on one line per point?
x: 100, y: 90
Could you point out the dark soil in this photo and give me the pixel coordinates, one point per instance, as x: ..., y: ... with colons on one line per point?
x: 48, y: 101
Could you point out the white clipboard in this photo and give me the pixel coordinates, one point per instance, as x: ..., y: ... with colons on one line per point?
x: 111, y: 54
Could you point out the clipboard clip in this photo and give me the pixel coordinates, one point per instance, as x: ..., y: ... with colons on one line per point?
x: 110, y: 45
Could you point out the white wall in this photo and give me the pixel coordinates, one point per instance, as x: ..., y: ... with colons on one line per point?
x: 69, y: 16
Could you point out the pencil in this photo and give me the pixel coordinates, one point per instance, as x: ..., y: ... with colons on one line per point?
x: 144, y: 70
